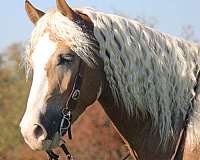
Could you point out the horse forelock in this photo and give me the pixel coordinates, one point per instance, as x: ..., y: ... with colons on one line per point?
x: 53, y: 21
x: 149, y: 72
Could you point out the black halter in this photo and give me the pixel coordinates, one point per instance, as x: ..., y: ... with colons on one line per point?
x: 66, y: 122
x: 65, y: 125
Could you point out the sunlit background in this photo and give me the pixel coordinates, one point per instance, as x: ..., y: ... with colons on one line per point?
x: 169, y: 15
x: 94, y: 136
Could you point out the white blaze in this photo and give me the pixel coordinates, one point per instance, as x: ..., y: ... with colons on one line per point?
x: 42, y: 53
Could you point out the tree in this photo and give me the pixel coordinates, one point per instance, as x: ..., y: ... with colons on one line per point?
x: 13, y: 93
x: 189, y: 33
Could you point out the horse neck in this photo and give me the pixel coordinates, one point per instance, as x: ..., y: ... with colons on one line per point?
x: 134, y: 131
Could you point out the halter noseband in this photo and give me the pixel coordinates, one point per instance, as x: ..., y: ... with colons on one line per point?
x: 66, y: 122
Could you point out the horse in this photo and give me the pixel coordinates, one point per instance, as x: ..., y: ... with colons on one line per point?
x: 146, y: 81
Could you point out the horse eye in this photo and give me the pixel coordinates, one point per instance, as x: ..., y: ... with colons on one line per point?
x: 66, y: 59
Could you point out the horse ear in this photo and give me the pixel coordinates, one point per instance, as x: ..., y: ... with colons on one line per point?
x: 65, y: 9
x: 33, y: 13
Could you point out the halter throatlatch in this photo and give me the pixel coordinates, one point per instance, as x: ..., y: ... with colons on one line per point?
x: 66, y: 122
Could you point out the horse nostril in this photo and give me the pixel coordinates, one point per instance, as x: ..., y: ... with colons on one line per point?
x: 39, y: 132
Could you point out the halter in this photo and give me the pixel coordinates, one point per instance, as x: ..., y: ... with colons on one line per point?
x: 65, y: 125
x: 66, y: 122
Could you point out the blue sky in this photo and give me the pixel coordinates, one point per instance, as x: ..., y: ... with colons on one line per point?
x: 172, y: 15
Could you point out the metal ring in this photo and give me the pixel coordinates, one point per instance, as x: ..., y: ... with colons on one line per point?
x: 76, y: 94
x: 63, y: 121
x: 65, y: 111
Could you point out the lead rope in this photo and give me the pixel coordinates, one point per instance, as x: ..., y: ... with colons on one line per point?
x: 127, y: 156
x: 65, y: 150
x: 53, y: 156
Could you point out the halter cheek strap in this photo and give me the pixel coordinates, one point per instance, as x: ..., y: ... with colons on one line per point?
x: 65, y: 125
x: 66, y: 122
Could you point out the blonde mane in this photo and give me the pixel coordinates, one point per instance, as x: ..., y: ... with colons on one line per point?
x: 149, y: 73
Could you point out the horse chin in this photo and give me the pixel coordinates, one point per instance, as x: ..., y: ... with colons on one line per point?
x: 54, y: 143
x: 47, y: 144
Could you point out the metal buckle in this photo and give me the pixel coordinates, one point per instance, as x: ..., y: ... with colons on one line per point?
x: 76, y: 94
x: 66, y: 121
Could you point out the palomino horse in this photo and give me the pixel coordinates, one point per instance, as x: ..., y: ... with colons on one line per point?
x: 146, y: 81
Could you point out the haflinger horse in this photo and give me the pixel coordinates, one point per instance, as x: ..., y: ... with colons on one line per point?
x: 146, y: 81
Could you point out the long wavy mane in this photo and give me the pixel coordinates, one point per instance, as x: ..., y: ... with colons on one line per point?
x: 149, y: 73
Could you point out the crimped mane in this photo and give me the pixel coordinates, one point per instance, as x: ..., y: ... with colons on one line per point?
x: 150, y: 73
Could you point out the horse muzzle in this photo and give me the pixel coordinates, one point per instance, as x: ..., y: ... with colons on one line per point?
x: 36, y: 138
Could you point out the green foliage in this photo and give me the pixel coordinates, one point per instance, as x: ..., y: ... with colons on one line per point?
x: 13, y: 94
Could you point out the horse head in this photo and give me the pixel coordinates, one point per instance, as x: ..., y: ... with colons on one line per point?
x: 58, y: 53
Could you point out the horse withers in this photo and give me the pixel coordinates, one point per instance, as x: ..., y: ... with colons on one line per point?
x: 146, y: 81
